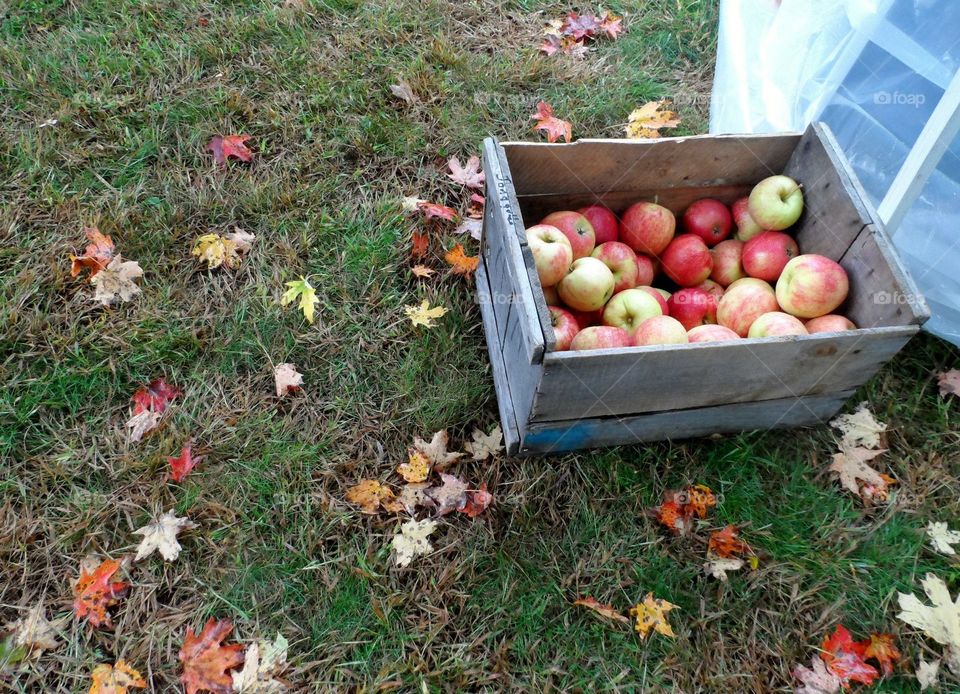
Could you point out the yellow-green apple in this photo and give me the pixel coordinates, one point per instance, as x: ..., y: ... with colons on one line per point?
x: 811, y: 286
x: 606, y: 226
x: 587, y: 318
x: 647, y: 227
x: 576, y: 228
x: 629, y: 308
x: 830, y: 323
x: 693, y: 307
x: 727, y: 265
x: 660, y: 295
x: 622, y: 261
x: 551, y: 296
x: 747, y: 228
x: 587, y: 286
x: 744, y: 301
x: 660, y: 330
x: 709, y: 219
x: 776, y: 324
x: 711, y: 288
x: 552, y: 253
x: 711, y: 333
x: 765, y: 255
x: 647, y: 269
x: 565, y: 327
x: 600, y: 337
x: 776, y: 202
x: 687, y: 260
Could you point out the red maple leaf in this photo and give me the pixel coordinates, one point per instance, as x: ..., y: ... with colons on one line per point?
x: 206, y: 661
x: 551, y: 44
x: 419, y: 245
x: 94, y: 593
x: 226, y: 146
x: 96, y: 256
x: 881, y: 647
x: 432, y: 209
x: 477, y: 501
x: 154, y: 397
x: 845, y: 658
x: 181, y: 467
x: 550, y: 124
x: 580, y: 26
x: 726, y: 543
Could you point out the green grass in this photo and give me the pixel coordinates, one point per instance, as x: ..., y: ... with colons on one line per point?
x: 138, y: 89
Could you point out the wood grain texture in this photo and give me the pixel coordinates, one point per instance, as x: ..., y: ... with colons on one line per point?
x: 559, y: 437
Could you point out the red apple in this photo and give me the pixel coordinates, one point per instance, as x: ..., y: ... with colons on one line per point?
x: 711, y: 288
x: 588, y: 285
x: 687, y: 260
x: 709, y: 219
x: 812, y: 286
x: 746, y: 227
x: 647, y: 227
x: 587, y: 318
x: 661, y: 296
x: 606, y: 226
x: 629, y: 308
x: 622, y: 261
x: 600, y: 337
x: 551, y: 296
x: 765, y: 255
x: 711, y: 333
x: 647, y: 269
x: 565, y: 327
x: 576, y: 228
x: 744, y: 301
x: 727, y: 267
x: 660, y: 330
x: 693, y: 307
x: 552, y: 253
x: 776, y: 324
x: 830, y: 323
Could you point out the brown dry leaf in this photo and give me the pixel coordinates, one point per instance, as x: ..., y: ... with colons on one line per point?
x: 859, y: 428
x: 116, y: 281
x: 161, y: 536
x: 450, y: 496
x: 476, y: 205
x: 115, y: 679
x: 469, y: 174
x: 206, y: 661
x: 416, y: 469
x: 483, y: 445
x: 412, y: 541
x: 460, y: 262
x: 949, y: 382
x: 34, y: 632
x: 851, y: 465
x: 419, y: 245
x: 645, y: 122
x: 414, y: 495
x: 402, y: 90
x: 142, y: 424
x: 651, y: 614
x: 287, y: 379
x: 719, y: 566
x: 603, y: 610
x: 423, y: 314
x: 422, y: 271
x: 96, y: 256
x: 369, y: 495
x: 550, y: 124
x: 436, y: 451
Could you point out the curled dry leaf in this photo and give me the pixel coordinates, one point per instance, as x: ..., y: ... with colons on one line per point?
x: 719, y: 566
x: 460, y: 262
x: 949, y: 382
x: 647, y: 121
x: 940, y: 620
x: 262, y: 662
x: 450, y: 496
x: 475, y: 209
x: 604, y: 610
x: 412, y: 541
x: 369, y: 495
x: 423, y: 314
x: 651, y: 614
x: 115, y: 679
x: 142, y: 424
x: 410, y: 203
x: 436, y: 451
x: 417, y: 467
x: 181, y: 467
x: 160, y: 535
x: 942, y: 538
x: 422, y: 271
x: 96, y: 256
x: 485, y: 446
x: 469, y: 174
x: 553, y: 127
x: 308, y: 297
x: 287, y: 379
x: 816, y: 679
x: 116, y: 281
x: 927, y: 673
x: 34, y: 632
x: 229, y: 147
x: 478, y: 501
x: 94, y: 593
x: 206, y: 661
x: 402, y: 90
x: 859, y: 428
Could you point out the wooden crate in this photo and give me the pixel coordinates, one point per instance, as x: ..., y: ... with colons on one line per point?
x: 552, y: 401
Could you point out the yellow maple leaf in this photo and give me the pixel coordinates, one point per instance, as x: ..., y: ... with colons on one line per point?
x: 115, y: 679
x: 369, y: 495
x: 216, y: 250
x: 423, y: 314
x: 416, y: 469
x: 460, y: 262
x: 652, y: 614
x: 645, y: 122
x: 308, y: 296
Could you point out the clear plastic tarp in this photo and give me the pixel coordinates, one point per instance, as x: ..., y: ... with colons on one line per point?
x: 873, y: 70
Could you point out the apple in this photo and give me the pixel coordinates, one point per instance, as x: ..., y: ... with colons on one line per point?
x: 711, y: 333
x: 709, y: 219
x: 744, y: 301
x: 727, y: 265
x: 661, y: 296
x: 565, y: 327
x: 576, y: 228
x: 746, y: 227
x: 660, y: 330
x: 622, y: 261
x: 629, y: 308
x: 552, y: 253
x: 647, y: 267
x: 765, y: 255
x: 693, y: 307
x: 647, y: 227
x: 600, y: 337
x: 776, y: 202
x: 587, y: 286
x: 776, y: 324
x: 711, y: 288
x: 811, y: 286
x: 587, y: 318
x: 606, y: 226
x: 551, y: 296
x: 830, y: 323
x: 687, y: 260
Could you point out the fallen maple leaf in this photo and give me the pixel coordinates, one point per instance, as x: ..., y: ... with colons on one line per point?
x: 423, y: 314
x: 227, y: 146
x: 369, y: 495
x: 726, y: 543
x: 476, y: 205
x: 154, y: 397
x: 206, y: 661
x: 611, y: 25
x: 116, y: 281
x: 414, y: 495
x: 412, y: 541
x: 719, y: 566
x: 580, y: 26
x: 403, y: 90
x: 96, y: 256
x: 652, y: 614
x: 450, y: 496
x: 927, y: 673
x: 436, y: 451
x: 287, y: 379
x: 608, y: 611
x: 881, y: 648
x: 419, y: 245
x: 308, y: 297
x: 478, y: 501
x: 647, y: 121
x: 940, y: 620
x: 228, y: 250
x: 700, y: 499
x: 460, y: 262
x: 468, y: 174
x: 949, y: 382
x: 550, y: 124
x: 34, y: 632
x: 859, y: 428
x: 845, y: 658
x: 160, y: 535
x: 181, y: 467
x: 262, y: 662
x: 851, y: 465
x: 142, y: 424
x: 818, y: 680
x: 422, y: 271
x: 115, y: 679
x: 94, y: 592
x: 417, y: 467
x: 432, y: 210
x: 471, y: 226
x: 942, y: 538
x: 679, y: 508
x: 485, y: 446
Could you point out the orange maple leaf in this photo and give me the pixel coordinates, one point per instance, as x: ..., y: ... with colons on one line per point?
x: 115, y: 679
x: 96, y: 256
x: 478, y: 500
x: 673, y: 516
x: 181, y: 467
x: 726, y: 543
x: 419, y: 245
x: 206, y: 661
x: 226, y: 146
x: 550, y: 124
x: 460, y: 262
x: 700, y: 499
x: 94, y: 593
x: 882, y: 648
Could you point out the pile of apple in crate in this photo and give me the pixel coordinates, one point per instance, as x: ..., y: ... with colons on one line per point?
x: 644, y: 280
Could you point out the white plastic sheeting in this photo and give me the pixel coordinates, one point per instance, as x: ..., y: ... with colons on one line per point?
x: 873, y: 70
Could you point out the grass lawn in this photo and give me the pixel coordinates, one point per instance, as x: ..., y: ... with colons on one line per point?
x: 137, y: 89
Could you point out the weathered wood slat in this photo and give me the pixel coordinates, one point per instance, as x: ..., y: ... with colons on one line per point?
x: 632, y: 380
x: 559, y: 437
